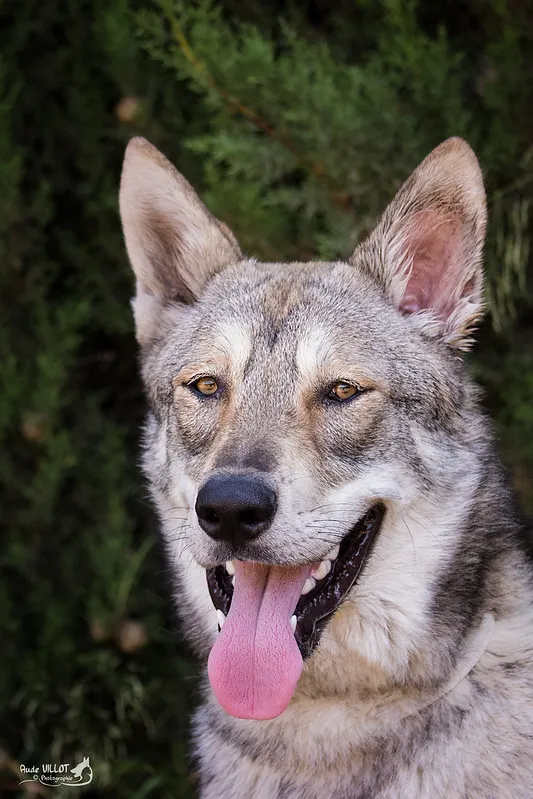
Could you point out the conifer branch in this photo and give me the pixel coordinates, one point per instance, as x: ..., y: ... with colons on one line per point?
x: 340, y: 197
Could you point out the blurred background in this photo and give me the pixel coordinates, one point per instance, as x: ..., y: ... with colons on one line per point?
x: 297, y: 123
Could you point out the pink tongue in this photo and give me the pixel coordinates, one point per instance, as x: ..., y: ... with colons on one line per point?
x: 255, y: 663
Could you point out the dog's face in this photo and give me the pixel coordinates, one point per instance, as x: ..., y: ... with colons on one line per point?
x: 308, y: 421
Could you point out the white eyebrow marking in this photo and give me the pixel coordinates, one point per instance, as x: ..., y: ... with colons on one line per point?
x: 236, y: 343
x: 312, y: 352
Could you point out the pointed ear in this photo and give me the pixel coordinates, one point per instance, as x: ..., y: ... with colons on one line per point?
x: 426, y: 250
x: 175, y: 245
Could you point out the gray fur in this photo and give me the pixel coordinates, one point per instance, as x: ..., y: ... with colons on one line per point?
x: 422, y: 685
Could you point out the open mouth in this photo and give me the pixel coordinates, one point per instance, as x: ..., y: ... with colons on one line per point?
x: 271, y: 617
x: 324, y: 589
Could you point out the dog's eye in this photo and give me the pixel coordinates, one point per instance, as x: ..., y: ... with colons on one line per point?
x: 205, y: 385
x: 343, y: 391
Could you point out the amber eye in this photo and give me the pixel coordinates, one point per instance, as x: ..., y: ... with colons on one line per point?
x: 205, y: 386
x: 342, y: 391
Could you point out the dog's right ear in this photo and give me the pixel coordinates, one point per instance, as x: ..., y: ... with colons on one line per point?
x: 175, y: 245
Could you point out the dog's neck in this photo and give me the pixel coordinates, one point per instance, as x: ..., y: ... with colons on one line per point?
x: 366, y: 713
x: 474, y: 649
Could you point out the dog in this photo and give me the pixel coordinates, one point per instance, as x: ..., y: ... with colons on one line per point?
x: 78, y: 770
x: 344, y: 548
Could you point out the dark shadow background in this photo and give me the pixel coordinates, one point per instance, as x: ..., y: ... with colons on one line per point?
x: 297, y: 124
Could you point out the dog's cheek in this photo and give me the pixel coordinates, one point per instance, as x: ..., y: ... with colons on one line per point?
x: 193, y: 604
x: 352, y: 436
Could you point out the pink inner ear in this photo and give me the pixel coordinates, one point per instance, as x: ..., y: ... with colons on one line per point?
x: 435, y: 246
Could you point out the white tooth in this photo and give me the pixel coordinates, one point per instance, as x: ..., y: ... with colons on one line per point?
x: 230, y: 567
x: 293, y: 623
x: 333, y: 555
x: 220, y: 618
x: 233, y: 581
x: 309, y: 584
x: 323, y: 569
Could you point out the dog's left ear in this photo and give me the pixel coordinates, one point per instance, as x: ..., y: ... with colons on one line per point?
x: 427, y: 248
x: 174, y: 243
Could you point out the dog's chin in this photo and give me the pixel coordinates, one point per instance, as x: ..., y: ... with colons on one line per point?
x: 318, y: 602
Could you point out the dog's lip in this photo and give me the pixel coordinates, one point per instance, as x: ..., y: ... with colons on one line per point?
x: 314, y: 609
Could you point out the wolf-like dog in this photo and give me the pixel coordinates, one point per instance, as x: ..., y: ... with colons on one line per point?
x: 344, y: 549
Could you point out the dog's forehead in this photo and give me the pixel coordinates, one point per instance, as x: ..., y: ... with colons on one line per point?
x: 279, y: 290
x: 305, y: 314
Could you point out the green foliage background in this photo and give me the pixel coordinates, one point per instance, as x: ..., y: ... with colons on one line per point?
x: 297, y: 124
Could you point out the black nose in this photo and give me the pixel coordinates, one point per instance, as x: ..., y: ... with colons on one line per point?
x: 235, y: 508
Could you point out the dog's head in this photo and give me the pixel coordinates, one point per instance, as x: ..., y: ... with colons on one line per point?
x: 308, y: 441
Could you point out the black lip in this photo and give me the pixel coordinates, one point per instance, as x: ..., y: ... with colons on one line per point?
x: 314, y: 610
